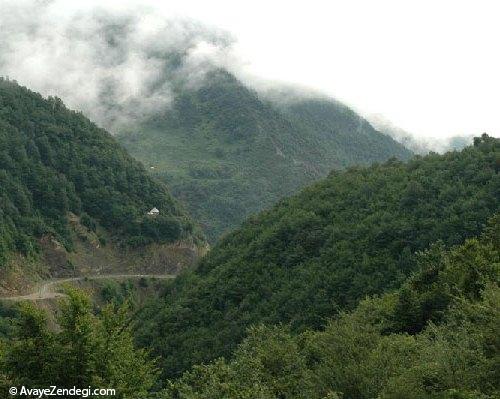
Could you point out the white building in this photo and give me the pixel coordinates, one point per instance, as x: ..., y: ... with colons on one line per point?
x: 154, y: 212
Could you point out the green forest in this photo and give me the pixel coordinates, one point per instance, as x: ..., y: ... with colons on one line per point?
x: 355, y: 233
x: 54, y: 162
x: 249, y: 200
x: 435, y: 337
x: 226, y: 152
x: 377, y: 282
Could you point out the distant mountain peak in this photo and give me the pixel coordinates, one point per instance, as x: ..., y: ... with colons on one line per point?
x: 227, y: 150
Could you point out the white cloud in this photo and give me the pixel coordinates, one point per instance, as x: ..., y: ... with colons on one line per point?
x: 431, y: 67
x: 113, y: 65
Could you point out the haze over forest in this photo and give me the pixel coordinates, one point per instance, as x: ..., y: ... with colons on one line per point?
x: 103, y: 57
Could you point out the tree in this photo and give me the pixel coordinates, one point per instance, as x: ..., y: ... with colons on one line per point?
x: 88, y: 350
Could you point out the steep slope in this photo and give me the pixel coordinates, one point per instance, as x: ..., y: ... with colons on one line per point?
x: 227, y: 153
x: 343, y: 137
x: 63, y: 181
x: 435, y: 338
x: 353, y: 234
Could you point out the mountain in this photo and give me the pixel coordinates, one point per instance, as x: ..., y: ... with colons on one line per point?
x: 435, y: 338
x: 356, y: 233
x: 70, y: 196
x: 227, y: 152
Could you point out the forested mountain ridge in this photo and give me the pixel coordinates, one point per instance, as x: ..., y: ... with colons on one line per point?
x: 353, y: 234
x: 434, y: 338
x: 343, y: 137
x: 227, y: 152
x: 58, y: 169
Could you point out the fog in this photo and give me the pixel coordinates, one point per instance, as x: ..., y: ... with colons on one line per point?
x: 115, y: 66
x: 430, y: 70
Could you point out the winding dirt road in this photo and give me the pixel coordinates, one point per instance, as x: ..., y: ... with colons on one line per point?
x: 47, y: 289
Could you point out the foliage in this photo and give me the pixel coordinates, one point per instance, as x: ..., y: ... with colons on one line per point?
x: 354, y: 234
x: 379, y: 282
x: 88, y: 350
x: 227, y: 153
x: 115, y: 292
x: 356, y: 357
x: 8, y: 313
x: 54, y: 161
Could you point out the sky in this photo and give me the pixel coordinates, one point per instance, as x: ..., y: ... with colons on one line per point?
x: 429, y: 67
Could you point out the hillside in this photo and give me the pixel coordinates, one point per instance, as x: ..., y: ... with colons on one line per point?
x: 435, y: 338
x: 65, y: 184
x: 227, y: 153
x: 355, y: 233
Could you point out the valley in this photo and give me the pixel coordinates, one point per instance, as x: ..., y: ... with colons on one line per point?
x: 227, y: 151
x: 235, y: 245
x: 378, y: 279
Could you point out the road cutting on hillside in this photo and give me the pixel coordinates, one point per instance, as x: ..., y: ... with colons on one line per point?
x: 48, y: 289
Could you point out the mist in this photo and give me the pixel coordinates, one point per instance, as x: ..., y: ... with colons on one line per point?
x: 115, y: 66
x: 419, y: 145
x: 119, y: 65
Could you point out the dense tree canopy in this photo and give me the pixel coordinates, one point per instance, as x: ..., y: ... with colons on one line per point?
x: 441, y: 344
x: 360, y: 355
x: 377, y: 282
x: 54, y: 161
x: 354, y: 234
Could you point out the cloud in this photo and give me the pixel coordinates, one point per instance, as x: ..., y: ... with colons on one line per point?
x: 116, y: 65
x: 124, y: 61
x: 419, y: 145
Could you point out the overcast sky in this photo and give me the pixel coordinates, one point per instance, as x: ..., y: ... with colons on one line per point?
x: 430, y: 67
